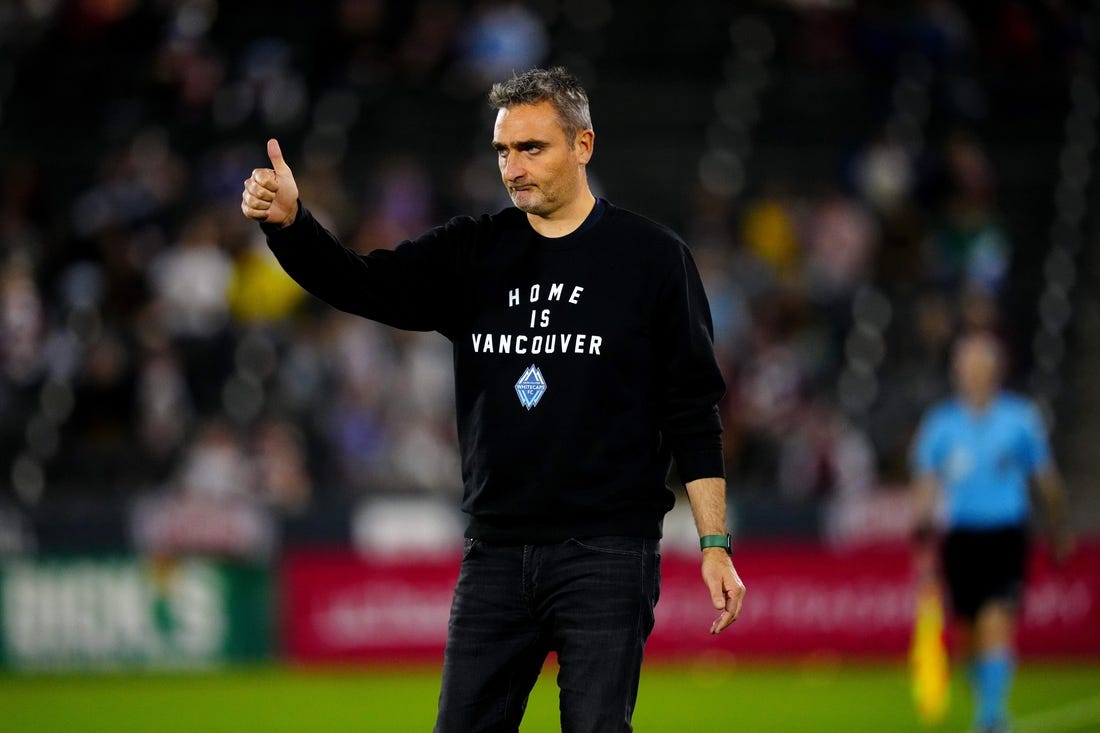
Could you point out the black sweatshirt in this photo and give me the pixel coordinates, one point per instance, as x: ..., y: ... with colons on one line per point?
x: 582, y: 363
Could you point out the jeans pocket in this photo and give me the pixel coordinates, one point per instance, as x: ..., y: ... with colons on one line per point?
x: 610, y: 545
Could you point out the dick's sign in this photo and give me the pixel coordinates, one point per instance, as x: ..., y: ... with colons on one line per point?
x: 80, y: 613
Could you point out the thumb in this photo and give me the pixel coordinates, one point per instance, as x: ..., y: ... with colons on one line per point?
x: 275, y: 153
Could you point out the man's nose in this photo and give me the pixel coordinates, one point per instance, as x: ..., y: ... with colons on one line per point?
x: 511, y: 168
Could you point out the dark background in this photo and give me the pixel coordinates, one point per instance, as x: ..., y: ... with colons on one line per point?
x: 859, y: 182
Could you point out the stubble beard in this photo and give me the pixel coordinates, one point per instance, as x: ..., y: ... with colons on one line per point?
x: 532, y: 201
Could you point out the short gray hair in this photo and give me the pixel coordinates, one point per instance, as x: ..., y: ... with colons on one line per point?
x: 555, y: 85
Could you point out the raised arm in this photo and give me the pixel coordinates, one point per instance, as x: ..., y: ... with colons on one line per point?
x: 412, y: 287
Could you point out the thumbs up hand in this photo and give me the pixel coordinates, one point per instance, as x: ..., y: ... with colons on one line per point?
x: 271, y: 194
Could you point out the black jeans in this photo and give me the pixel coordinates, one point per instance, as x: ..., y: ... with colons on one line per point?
x: 589, y: 600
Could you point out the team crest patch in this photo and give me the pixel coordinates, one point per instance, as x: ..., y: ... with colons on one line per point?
x: 531, y: 387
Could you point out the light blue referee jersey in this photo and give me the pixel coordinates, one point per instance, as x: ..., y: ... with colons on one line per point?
x: 983, y: 460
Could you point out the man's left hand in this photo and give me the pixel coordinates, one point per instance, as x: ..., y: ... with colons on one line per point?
x: 726, y: 589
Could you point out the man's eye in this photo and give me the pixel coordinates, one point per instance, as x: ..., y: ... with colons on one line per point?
x: 532, y: 149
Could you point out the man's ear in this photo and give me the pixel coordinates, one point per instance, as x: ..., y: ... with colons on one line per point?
x: 584, y: 144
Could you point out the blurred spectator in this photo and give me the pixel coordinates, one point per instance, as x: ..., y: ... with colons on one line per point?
x: 216, y: 465
x: 144, y: 328
x: 968, y: 247
x: 258, y: 290
x: 824, y: 457
x: 428, y: 44
x: 191, y: 282
x: 21, y: 210
x: 100, y: 431
x: 134, y: 184
x: 213, y: 505
x: 941, y: 30
x: 267, y: 87
x: 15, y: 535
x: 501, y: 38
x: 164, y: 407
x: 400, y: 208
x: 768, y: 393
x: 770, y: 233
x: 280, y: 466
x: 884, y: 175
x: 364, y: 367
x: 728, y: 305
x: 22, y: 325
x: 425, y: 450
x: 841, y: 239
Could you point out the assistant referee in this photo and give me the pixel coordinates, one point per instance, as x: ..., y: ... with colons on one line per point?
x: 981, y: 452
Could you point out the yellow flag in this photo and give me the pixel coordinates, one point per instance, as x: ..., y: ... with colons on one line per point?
x: 928, y: 661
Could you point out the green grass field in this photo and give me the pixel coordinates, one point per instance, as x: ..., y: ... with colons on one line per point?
x: 810, y: 698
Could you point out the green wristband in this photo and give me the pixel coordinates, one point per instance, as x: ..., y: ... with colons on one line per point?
x: 717, y: 540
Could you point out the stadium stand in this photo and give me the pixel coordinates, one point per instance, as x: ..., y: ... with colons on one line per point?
x: 857, y: 182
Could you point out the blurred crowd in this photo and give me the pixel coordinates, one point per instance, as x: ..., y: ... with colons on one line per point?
x: 150, y: 345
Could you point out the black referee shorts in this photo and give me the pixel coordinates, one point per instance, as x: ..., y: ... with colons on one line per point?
x: 984, y: 565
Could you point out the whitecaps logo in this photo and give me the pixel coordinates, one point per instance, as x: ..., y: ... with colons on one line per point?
x: 531, y: 387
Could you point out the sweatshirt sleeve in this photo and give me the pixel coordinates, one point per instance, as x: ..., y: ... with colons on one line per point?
x: 690, y: 381
x: 411, y: 287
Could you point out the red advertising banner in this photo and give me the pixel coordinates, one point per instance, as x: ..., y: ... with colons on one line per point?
x: 805, y: 599
x: 338, y: 606
x: 802, y: 599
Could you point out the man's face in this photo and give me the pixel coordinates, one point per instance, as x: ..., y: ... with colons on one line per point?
x: 977, y: 368
x: 541, y: 169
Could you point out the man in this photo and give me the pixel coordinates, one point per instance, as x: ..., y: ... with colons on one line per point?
x: 981, y: 450
x: 583, y: 361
